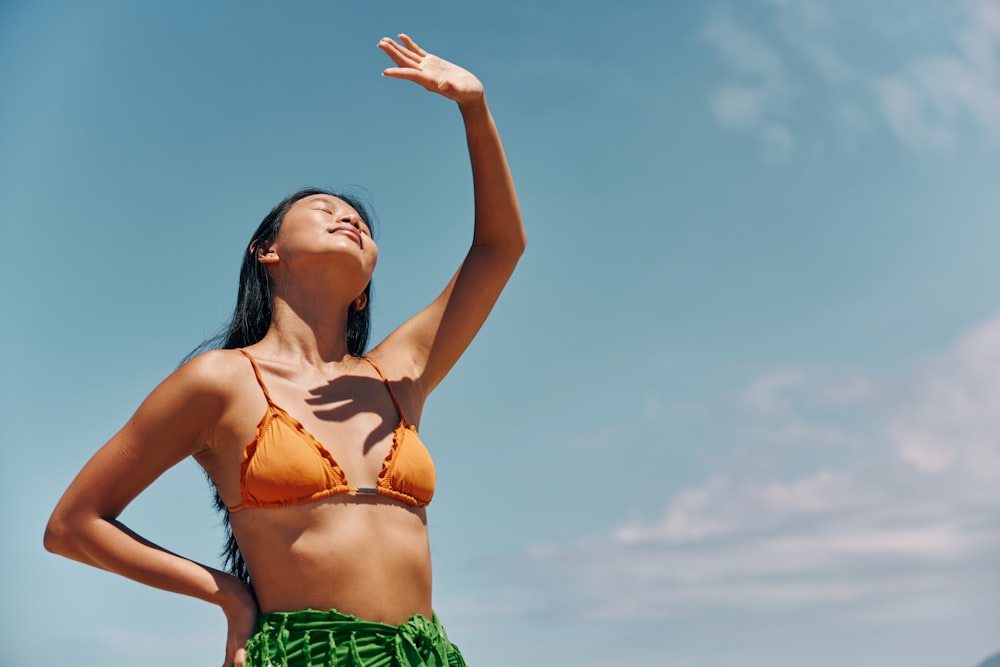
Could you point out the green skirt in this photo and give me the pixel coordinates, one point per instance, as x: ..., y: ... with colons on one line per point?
x: 330, y: 639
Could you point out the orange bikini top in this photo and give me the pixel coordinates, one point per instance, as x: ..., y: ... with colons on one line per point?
x: 286, y: 465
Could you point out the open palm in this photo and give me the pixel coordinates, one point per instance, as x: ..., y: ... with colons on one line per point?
x: 435, y: 74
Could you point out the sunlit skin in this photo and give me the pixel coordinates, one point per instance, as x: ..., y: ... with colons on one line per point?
x: 363, y: 555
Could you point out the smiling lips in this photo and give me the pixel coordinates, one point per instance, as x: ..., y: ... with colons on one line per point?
x: 350, y: 231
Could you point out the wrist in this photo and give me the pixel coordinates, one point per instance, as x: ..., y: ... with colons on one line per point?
x: 474, y: 106
x: 233, y: 593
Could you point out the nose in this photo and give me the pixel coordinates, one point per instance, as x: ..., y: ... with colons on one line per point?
x: 353, y: 220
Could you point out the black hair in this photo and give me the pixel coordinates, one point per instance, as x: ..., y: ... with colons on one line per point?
x: 252, y: 318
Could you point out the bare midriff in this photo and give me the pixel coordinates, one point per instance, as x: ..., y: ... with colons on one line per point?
x: 361, y: 555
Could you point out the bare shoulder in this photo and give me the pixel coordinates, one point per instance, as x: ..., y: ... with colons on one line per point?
x: 202, y: 389
x: 192, y: 402
x: 215, y: 373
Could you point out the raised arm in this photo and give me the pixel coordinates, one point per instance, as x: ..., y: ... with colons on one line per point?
x: 430, y: 343
x: 172, y: 423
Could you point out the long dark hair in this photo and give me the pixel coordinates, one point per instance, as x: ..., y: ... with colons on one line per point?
x: 252, y: 318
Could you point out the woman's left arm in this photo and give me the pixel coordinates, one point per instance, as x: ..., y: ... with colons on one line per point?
x: 432, y: 341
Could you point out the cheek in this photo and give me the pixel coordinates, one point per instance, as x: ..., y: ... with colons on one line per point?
x: 286, y: 236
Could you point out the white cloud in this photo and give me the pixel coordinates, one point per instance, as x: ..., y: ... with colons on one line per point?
x: 949, y: 90
x: 905, y: 111
x: 743, y: 50
x: 847, y: 390
x: 952, y: 420
x: 910, y: 533
x: 927, y: 96
x: 758, y: 88
x: 737, y: 106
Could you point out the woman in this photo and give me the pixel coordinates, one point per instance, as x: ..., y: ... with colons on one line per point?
x: 327, y: 506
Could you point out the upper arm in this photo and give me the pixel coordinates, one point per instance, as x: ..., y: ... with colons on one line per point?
x: 430, y: 342
x: 173, y: 422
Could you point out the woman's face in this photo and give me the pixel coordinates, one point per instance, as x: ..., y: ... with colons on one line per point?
x: 323, y: 228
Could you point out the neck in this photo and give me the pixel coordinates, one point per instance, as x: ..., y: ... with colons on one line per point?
x: 309, y: 327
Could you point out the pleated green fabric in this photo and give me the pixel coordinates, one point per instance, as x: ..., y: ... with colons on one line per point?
x: 313, y: 638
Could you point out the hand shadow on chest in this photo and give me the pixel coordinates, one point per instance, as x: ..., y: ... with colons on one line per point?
x: 348, y: 397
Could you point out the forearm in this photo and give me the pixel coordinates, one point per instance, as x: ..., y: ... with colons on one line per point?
x: 498, y: 215
x: 111, y: 546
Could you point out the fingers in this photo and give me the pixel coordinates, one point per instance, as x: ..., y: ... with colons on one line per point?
x: 410, y: 44
x: 408, y: 61
x: 410, y: 56
x: 401, y: 56
x: 236, y: 659
x: 403, y: 73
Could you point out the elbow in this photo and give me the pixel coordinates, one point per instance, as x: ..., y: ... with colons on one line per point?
x: 519, y: 241
x: 520, y: 236
x: 56, y: 536
x: 517, y: 245
x: 60, y: 536
x: 506, y: 251
x: 517, y: 251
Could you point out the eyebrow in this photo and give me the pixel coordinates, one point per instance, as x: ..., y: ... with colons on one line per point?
x: 332, y: 200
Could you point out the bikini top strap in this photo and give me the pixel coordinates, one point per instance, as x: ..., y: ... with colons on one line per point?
x: 260, y: 380
x: 395, y: 401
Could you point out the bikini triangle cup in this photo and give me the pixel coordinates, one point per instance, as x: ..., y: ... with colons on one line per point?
x: 285, y: 465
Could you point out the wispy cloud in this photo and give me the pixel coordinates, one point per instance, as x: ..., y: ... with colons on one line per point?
x: 766, y: 394
x: 927, y: 79
x: 909, y: 532
x: 951, y: 424
x: 936, y: 95
x: 754, y: 97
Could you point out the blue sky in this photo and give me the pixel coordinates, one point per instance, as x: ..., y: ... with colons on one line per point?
x: 738, y: 404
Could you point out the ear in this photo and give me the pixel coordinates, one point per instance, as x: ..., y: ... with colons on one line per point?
x: 265, y: 251
x: 360, y: 303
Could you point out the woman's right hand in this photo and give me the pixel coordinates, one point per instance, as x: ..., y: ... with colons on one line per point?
x: 425, y: 69
x: 241, y: 618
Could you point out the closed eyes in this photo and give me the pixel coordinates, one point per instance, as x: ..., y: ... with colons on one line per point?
x: 362, y: 227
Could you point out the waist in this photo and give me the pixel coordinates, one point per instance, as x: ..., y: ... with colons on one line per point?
x: 381, y: 589
x: 337, y: 621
